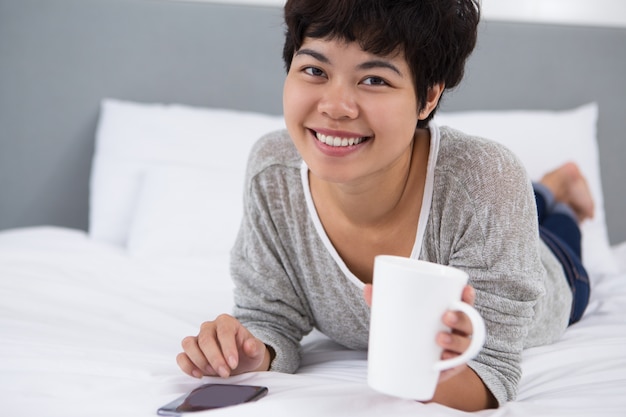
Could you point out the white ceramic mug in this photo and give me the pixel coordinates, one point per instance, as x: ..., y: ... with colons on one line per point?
x: 409, y: 300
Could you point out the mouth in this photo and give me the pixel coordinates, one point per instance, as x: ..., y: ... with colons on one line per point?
x: 338, y: 141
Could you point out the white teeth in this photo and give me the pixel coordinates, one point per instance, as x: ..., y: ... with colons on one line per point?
x: 337, y: 141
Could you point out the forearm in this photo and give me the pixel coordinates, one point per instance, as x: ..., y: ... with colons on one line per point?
x: 465, y: 391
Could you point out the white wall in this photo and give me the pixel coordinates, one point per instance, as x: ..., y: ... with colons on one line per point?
x: 580, y: 12
x: 577, y: 12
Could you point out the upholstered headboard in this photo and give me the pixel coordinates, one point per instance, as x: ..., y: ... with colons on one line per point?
x: 59, y: 58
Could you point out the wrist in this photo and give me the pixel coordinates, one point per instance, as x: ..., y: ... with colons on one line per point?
x: 268, y: 358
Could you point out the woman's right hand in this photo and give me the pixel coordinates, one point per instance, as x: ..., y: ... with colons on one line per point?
x: 224, y: 347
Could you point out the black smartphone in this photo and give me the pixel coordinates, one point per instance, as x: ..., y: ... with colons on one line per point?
x: 210, y: 396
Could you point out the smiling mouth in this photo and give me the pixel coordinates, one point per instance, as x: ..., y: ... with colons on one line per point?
x: 337, y: 141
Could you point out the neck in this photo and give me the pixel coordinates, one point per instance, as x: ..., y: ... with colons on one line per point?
x: 378, y: 199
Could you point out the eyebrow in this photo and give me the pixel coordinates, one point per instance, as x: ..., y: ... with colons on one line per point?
x: 314, y: 54
x: 375, y: 63
x: 379, y: 63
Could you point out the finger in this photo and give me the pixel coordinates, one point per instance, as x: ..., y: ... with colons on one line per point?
x: 230, y: 336
x: 458, y: 322
x: 190, y: 368
x: 452, y: 344
x: 469, y: 295
x: 252, y: 347
x: 367, y: 294
x: 187, y: 366
x: 193, y: 358
x: 212, y: 349
x: 257, y: 355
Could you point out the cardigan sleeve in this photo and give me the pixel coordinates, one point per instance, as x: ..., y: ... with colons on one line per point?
x: 269, y: 300
x: 483, y: 220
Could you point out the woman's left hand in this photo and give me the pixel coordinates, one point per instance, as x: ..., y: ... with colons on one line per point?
x: 459, y: 338
x: 454, y: 342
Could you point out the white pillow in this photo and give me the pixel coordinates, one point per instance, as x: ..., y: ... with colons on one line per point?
x: 156, y: 143
x: 186, y: 212
x: 543, y: 140
x: 132, y: 138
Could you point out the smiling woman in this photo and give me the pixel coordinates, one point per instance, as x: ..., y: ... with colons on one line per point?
x: 361, y: 172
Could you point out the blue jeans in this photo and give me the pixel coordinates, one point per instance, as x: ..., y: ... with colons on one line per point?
x: 558, y: 228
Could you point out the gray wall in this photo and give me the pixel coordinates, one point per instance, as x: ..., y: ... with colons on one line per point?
x: 59, y: 58
x: 522, y: 66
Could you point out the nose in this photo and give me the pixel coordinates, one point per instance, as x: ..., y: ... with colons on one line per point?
x: 338, y: 102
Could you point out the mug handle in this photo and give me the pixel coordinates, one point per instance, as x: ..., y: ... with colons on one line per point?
x: 478, y: 338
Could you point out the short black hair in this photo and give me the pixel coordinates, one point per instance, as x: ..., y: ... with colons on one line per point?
x: 436, y: 36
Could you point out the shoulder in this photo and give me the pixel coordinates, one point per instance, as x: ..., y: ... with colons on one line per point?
x: 273, y: 150
x: 479, y: 165
x: 460, y: 150
x: 484, y: 187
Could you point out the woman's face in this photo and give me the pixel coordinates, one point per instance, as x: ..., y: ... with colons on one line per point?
x: 351, y: 114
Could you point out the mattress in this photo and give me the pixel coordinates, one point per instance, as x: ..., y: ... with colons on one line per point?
x: 89, y: 330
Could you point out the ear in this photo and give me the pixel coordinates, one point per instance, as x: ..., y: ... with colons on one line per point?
x: 434, y: 94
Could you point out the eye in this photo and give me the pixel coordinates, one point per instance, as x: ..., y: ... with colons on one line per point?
x: 375, y: 81
x: 313, y: 71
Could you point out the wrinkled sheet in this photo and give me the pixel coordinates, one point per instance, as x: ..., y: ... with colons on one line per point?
x: 87, y: 330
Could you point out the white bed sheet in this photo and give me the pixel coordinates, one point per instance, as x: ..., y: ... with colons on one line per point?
x: 88, y: 330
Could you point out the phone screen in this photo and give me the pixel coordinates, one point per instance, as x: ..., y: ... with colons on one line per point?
x: 210, y: 396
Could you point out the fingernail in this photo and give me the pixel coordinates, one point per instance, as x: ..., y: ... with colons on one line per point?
x: 232, y: 362
x: 223, y: 372
x: 451, y: 317
x: 196, y: 374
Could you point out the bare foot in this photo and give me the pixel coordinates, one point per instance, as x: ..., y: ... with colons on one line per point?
x: 570, y: 187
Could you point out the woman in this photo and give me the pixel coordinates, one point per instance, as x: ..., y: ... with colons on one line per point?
x: 359, y: 172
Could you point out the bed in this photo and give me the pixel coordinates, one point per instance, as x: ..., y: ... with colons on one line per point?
x: 123, y: 120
